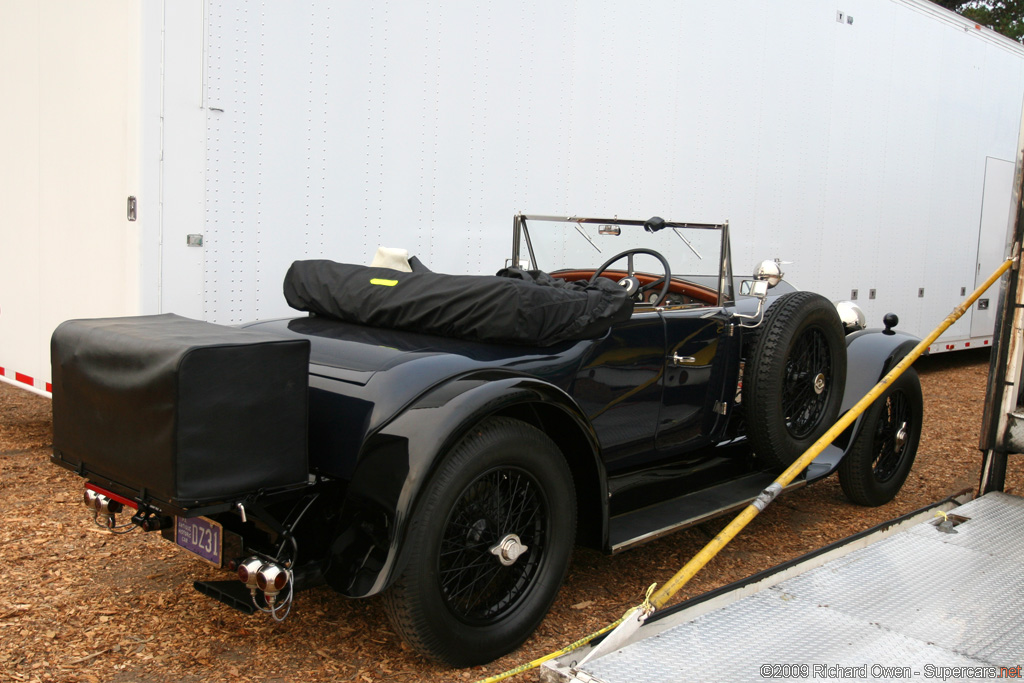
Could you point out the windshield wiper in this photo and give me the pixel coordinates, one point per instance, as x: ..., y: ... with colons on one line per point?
x: 580, y: 230
x: 687, y: 242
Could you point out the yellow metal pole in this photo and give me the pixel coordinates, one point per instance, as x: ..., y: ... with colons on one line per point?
x: 672, y: 586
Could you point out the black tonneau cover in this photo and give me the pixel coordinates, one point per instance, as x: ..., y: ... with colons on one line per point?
x: 514, y: 306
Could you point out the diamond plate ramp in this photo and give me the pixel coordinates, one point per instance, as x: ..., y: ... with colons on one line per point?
x: 901, y: 608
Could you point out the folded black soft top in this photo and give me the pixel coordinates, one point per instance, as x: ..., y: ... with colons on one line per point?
x: 514, y: 306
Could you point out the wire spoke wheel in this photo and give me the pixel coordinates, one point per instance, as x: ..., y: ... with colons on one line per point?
x: 881, y: 455
x: 891, y: 434
x: 488, y: 545
x: 806, y: 389
x: 795, y: 376
x: 477, y: 586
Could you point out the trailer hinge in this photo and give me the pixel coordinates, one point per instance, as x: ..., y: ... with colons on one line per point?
x: 721, y: 407
x: 133, y: 208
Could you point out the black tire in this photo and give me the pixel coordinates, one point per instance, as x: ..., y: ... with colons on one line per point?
x: 883, y: 452
x: 455, y: 599
x: 794, y: 377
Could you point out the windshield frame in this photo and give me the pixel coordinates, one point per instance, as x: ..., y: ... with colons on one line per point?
x: 521, y: 235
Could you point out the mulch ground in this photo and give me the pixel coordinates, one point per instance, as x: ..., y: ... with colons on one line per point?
x: 84, y: 605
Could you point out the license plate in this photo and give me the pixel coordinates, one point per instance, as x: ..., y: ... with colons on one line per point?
x: 200, y: 535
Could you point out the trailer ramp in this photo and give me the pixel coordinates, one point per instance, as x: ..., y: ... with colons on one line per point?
x: 910, y: 602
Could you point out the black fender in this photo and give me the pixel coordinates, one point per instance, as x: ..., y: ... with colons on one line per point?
x: 870, y: 354
x: 398, y: 459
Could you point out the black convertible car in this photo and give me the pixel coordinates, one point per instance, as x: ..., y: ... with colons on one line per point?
x: 446, y: 440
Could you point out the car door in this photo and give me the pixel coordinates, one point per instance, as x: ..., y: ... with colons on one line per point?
x: 619, y: 389
x: 698, y: 359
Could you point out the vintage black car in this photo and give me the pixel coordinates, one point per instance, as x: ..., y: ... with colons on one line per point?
x: 445, y: 440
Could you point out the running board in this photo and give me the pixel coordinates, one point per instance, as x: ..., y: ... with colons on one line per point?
x: 646, y: 524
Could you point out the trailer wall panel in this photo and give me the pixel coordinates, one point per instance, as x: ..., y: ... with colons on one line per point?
x: 855, y: 150
x: 69, y: 136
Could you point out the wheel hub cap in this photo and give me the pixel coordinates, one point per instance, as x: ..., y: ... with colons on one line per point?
x: 901, y: 437
x: 509, y: 550
x: 819, y: 383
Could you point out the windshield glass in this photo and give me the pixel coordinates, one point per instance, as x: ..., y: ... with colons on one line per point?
x: 694, y: 251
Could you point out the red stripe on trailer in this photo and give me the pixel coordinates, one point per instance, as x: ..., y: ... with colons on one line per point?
x: 972, y: 343
x: 27, y: 380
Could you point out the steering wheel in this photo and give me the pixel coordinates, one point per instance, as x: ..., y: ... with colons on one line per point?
x: 631, y: 283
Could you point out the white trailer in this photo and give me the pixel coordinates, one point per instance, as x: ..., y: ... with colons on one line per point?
x: 177, y: 156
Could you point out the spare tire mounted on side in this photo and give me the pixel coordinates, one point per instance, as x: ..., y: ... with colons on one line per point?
x: 795, y: 376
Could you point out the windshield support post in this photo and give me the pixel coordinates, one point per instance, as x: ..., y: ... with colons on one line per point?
x: 519, y: 230
x: 725, y: 281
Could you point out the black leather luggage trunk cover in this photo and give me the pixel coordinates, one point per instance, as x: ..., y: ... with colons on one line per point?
x: 190, y: 411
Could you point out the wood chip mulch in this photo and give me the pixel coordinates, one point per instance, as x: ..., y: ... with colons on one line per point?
x: 84, y: 605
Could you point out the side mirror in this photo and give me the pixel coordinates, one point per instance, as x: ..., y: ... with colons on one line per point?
x: 756, y: 288
x: 759, y: 288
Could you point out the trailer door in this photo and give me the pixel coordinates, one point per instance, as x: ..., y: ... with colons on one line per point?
x: 992, y: 238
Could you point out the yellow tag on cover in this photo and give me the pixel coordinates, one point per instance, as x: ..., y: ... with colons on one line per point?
x: 382, y: 282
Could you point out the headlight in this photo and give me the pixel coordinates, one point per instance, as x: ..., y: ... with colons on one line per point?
x: 851, y: 315
x: 769, y: 271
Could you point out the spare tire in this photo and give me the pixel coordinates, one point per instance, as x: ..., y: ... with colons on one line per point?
x: 794, y: 377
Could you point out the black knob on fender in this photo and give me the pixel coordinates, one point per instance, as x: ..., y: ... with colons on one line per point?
x: 890, y: 321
